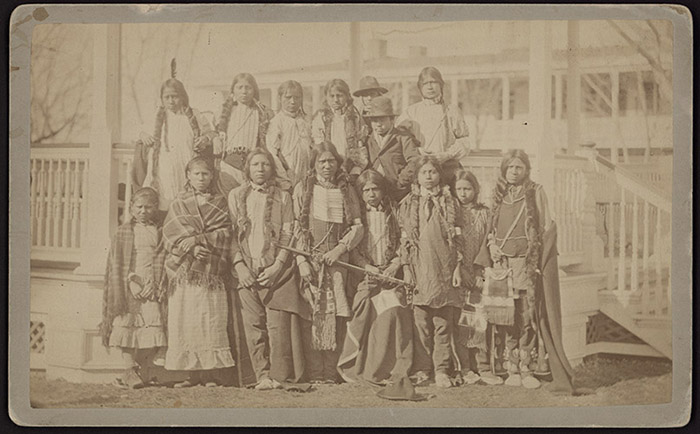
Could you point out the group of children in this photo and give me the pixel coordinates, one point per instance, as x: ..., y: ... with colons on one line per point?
x: 344, y: 249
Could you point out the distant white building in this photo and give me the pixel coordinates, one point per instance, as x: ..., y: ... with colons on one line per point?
x: 621, y: 105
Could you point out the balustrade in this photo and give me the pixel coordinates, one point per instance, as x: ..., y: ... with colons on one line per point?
x: 57, y: 202
x: 58, y: 198
x: 638, y: 230
x: 635, y: 218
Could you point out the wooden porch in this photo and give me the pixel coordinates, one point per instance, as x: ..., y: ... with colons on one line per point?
x: 614, y: 230
x: 614, y: 244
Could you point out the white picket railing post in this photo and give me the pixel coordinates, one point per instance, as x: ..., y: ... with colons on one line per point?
x: 645, y: 259
x: 34, y: 205
x: 621, y: 267
x: 658, y: 291
x: 634, y: 277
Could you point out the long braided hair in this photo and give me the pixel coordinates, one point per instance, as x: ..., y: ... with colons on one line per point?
x: 230, y: 103
x: 532, y: 231
x: 160, y: 130
x: 430, y: 72
x: 244, y: 223
x: 446, y: 201
x: 393, y: 231
x: 291, y: 85
x: 356, y: 131
x: 341, y: 181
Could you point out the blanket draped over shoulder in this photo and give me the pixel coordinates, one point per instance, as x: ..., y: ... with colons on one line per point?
x: 210, y: 225
x: 116, y: 285
x: 548, y: 313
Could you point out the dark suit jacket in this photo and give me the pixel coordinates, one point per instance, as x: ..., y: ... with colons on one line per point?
x: 397, y: 159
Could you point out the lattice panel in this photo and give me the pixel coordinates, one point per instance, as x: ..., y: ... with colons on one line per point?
x: 600, y: 328
x: 37, y: 331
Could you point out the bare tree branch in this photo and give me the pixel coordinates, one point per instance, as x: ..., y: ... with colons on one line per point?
x: 663, y: 76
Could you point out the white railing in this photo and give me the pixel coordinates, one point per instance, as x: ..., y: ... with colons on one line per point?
x: 58, y: 187
x: 659, y: 175
x: 635, y: 216
x: 568, y: 201
x: 58, y: 198
x: 638, y: 246
x: 123, y: 155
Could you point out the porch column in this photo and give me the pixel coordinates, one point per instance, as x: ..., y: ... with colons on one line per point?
x: 540, y: 103
x: 104, y: 131
x: 573, y: 89
x: 615, y: 99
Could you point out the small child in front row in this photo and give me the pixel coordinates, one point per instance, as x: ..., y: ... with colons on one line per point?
x: 132, y: 318
x: 429, y: 238
x: 473, y: 344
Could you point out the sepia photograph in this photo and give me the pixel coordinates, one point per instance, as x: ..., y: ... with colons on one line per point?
x: 424, y: 214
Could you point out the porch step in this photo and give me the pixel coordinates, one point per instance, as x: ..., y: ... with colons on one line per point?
x: 623, y: 348
x: 656, y: 331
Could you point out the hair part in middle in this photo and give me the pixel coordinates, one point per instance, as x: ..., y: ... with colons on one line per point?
x: 322, y: 147
x: 371, y: 175
x: 429, y: 159
x: 264, y: 152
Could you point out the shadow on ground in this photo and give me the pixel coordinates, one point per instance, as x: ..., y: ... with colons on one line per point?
x: 615, y: 380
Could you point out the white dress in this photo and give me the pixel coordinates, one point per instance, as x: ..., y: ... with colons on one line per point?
x: 176, y: 150
x: 197, y: 328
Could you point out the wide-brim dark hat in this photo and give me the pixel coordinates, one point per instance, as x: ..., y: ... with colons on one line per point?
x: 401, y: 390
x: 368, y: 83
x: 380, y: 107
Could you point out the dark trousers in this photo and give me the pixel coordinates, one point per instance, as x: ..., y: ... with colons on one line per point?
x: 323, y: 365
x: 277, y: 341
x: 521, y: 337
x: 256, y: 321
x: 433, y: 328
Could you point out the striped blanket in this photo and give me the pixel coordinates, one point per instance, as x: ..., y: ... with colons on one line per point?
x: 119, y: 264
x: 208, y: 222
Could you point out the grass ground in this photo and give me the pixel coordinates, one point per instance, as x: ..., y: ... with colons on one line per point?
x: 616, y: 381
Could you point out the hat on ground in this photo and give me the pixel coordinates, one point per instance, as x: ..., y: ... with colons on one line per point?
x: 379, y: 107
x: 368, y: 83
x: 401, y: 390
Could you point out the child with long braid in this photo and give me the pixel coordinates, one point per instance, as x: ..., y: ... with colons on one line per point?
x: 179, y: 133
x: 430, y: 227
x: 242, y: 126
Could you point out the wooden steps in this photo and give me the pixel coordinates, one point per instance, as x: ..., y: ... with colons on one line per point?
x: 655, y: 332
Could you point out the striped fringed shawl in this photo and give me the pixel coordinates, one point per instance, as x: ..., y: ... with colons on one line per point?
x: 209, y: 223
x: 119, y: 264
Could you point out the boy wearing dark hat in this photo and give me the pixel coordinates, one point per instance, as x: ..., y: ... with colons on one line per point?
x: 392, y: 151
x: 369, y: 89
